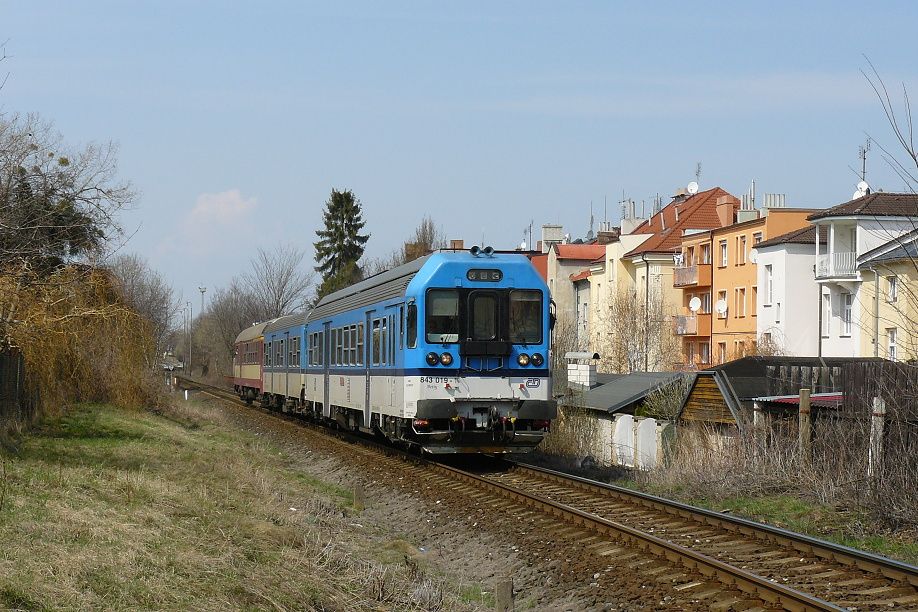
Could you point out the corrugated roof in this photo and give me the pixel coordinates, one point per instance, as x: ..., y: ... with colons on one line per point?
x: 585, y: 252
x: 817, y: 400
x: 290, y: 320
x: 624, y: 391
x: 696, y: 212
x: 253, y: 332
x: 874, y: 205
x: 804, y: 235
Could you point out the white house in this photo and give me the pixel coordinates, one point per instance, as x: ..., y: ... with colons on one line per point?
x: 853, y: 229
x: 787, y: 310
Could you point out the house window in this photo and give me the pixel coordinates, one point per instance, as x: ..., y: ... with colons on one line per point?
x: 723, y: 253
x: 705, y: 303
x: 766, y: 338
x: 706, y: 253
x: 892, y: 289
x: 755, y: 300
x: 739, y: 302
x: 690, y: 352
x: 769, y: 284
x: 757, y: 238
x: 705, y: 352
x: 722, y: 297
x: 891, y: 333
x: 741, y: 250
x: 722, y: 352
x: 777, y: 312
x: 826, y: 314
x: 847, y: 301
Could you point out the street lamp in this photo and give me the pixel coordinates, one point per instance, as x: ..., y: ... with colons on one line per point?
x: 190, y: 334
x: 202, y: 290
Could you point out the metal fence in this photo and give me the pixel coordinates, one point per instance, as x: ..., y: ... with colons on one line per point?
x: 16, y: 405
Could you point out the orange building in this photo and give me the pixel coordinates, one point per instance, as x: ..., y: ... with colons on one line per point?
x: 718, y: 279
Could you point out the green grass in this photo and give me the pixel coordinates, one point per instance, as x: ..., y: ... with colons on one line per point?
x: 113, y: 509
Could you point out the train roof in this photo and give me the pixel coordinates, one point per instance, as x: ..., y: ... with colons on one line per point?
x: 286, y: 321
x: 382, y: 286
x: 252, y: 333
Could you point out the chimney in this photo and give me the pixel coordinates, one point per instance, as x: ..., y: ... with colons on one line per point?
x: 457, y: 245
x: 551, y: 234
x: 726, y: 210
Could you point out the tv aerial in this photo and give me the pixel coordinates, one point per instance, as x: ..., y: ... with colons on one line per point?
x: 692, y: 188
x: 721, y: 307
x: 694, y: 304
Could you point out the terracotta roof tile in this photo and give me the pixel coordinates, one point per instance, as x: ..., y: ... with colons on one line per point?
x: 874, y: 205
x: 540, y: 262
x: 696, y: 212
x: 582, y: 275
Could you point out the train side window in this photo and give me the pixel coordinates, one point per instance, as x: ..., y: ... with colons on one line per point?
x: 360, y: 344
x: 264, y: 361
x: 374, y: 348
x: 321, y: 348
x: 411, y: 326
x: 353, y: 359
x: 401, y: 327
x: 383, y: 340
x: 391, y: 339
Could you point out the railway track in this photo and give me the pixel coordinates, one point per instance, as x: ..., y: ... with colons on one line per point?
x: 728, y: 562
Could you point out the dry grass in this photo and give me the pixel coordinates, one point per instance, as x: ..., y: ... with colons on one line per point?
x: 111, y: 509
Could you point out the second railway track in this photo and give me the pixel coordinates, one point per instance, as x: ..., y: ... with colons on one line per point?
x: 700, y: 555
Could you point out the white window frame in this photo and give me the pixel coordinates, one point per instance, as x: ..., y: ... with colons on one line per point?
x: 847, y: 306
x: 826, y: 314
x: 892, y: 289
x: 892, y: 334
x: 769, y: 285
x: 723, y: 253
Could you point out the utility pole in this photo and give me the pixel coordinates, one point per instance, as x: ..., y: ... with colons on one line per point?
x: 202, y: 290
x: 190, y: 334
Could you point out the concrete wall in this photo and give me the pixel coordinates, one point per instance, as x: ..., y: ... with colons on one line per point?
x: 791, y: 316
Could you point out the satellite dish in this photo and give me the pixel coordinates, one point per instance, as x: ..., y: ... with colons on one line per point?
x: 694, y: 304
x: 753, y: 256
x: 523, y: 245
x: 863, y: 186
x: 692, y: 188
x: 721, y: 307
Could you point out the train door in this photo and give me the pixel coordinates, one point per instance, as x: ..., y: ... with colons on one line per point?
x: 367, y: 348
x: 286, y: 367
x: 390, y: 379
x: 327, y: 347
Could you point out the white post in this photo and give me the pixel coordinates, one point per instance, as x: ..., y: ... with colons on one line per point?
x: 186, y: 395
x: 877, y: 427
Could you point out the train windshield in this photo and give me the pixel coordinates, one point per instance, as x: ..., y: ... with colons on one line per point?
x: 483, y: 309
x: 442, y: 316
x: 526, y: 317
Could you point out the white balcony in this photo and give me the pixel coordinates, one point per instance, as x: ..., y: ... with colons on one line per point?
x: 835, y: 265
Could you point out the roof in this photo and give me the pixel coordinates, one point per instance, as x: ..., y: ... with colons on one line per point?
x: 296, y: 319
x: 620, y: 393
x: 804, y: 235
x: 817, y: 400
x: 540, y: 262
x: 696, y: 212
x: 579, y: 276
x: 253, y: 332
x: 874, y: 205
x: 903, y: 247
x: 586, y: 252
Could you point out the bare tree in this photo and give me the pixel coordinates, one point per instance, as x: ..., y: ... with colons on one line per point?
x: 231, y: 310
x: 146, y: 292
x: 634, y: 333
x: 427, y: 238
x: 278, y: 281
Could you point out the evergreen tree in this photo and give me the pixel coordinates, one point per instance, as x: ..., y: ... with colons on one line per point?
x: 340, y: 244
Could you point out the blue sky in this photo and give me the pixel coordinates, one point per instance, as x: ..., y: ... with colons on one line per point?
x: 235, y: 121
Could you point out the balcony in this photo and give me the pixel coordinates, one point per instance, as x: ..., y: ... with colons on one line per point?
x: 692, y: 325
x: 835, y: 265
x: 697, y: 275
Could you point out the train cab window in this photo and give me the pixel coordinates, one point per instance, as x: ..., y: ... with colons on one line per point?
x: 442, y: 316
x: 526, y: 317
x: 483, y: 310
x: 411, y: 326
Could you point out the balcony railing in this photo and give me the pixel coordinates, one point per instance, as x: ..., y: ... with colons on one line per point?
x: 696, y: 274
x: 698, y: 324
x: 830, y: 265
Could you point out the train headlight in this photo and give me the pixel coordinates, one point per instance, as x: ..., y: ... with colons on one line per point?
x: 536, y: 359
x: 432, y: 359
x: 446, y: 359
x: 523, y: 359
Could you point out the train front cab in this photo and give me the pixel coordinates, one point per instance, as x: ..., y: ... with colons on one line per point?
x: 477, y: 369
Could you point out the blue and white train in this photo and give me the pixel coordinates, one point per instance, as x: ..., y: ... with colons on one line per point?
x: 448, y: 353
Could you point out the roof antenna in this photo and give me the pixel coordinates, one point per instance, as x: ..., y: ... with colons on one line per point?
x: 698, y: 173
x: 862, y: 153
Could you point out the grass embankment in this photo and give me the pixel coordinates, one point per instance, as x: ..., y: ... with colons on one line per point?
x: 111, y: 509
x: 842, y: 526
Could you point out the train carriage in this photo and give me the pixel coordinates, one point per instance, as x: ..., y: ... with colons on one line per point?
x: 448, y: 352
x: 247, y: 362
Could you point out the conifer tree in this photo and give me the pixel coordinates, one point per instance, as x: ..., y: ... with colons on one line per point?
x: 340, y: 245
